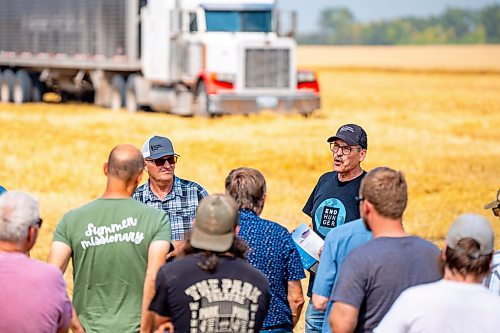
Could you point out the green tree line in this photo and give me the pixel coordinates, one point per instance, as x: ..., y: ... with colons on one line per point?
x: 454, y: 26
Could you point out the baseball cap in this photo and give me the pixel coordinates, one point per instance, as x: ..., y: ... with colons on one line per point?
x: 216, y: 219
x: 494, y: 203
x: 352, y: 134
x: 472, y: 226
x: 156, y: 147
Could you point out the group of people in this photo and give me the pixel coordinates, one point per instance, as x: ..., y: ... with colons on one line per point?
x: 166, y: 256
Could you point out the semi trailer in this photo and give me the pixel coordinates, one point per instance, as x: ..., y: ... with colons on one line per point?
x: 187, y: 57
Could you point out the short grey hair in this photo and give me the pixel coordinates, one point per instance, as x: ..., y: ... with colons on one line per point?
x: 18, y: 211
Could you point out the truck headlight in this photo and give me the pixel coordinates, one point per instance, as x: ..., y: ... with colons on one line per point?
x: 305, y: 76
x: 225, y: 77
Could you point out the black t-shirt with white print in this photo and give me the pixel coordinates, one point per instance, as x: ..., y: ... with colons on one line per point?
x: 332, y: 203
x: 234, y: 298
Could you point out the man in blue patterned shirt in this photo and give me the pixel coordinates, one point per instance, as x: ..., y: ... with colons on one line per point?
x: 178, y: 197
x: 271, y: 250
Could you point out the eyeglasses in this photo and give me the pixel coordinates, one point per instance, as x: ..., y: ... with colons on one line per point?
x: 161, y: 161
x: 359, y: 200
x: 496, y: 210
x: 346, y: 150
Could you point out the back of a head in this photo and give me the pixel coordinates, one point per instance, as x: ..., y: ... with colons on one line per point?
x: 469, y: 245
x: 215, y: 223
x: 125, y: 162
x: 248, y: 187
x: 386, y: 189
x: 18, y: 211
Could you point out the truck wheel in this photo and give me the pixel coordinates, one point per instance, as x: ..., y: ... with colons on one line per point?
x: 7, y: 86
x: 37, y: 90
x: 201, y: 101
x: 131, y: 95
x: 22, y: 87
x: 117, y: 92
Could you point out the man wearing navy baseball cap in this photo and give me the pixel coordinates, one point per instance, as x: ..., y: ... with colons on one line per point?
x: 333, y: 200
x: 178, y: 197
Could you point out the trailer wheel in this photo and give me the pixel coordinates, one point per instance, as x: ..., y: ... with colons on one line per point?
x: 22, y: 87
x: 131, y: 95
x: 37, y: 90
x: 201, y: 101
x: 7, y: 86
x: 117, y: 92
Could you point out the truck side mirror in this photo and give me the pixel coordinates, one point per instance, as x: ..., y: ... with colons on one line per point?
x: 286, y: 23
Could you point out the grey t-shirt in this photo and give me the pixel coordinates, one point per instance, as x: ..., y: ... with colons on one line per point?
x: 373, y: 275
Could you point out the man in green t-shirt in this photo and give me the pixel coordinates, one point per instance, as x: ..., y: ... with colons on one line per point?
x: 117, y: 245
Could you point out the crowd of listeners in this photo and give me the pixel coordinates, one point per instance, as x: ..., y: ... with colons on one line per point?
x: 166, y: 256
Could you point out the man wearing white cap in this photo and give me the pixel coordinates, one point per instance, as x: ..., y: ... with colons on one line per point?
x: 178, y: 197
x: 212, y: 288
x: 458, y: 302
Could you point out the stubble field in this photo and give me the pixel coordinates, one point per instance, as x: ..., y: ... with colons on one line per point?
x: 441, y: 128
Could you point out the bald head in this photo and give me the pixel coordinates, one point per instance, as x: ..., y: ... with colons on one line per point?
x: 125, y: 162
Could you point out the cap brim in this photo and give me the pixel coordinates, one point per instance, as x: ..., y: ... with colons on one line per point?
x: 160, y: 155
x: 341, y: 137
x: 217, y: 243
x: 492, y: 204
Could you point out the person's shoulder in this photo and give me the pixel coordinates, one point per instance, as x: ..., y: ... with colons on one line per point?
x: 141, y: 188
x: 424, y: 244
x: 188, y: 183
x: 347, y: 229
x: 46, y: 272
x: 245, y: 267
x: 327, y: 176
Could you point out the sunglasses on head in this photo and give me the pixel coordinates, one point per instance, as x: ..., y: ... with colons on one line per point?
x: 161, y: 161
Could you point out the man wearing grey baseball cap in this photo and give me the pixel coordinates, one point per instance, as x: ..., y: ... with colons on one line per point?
x: 333, y: 200
x: 458, y: 302
x: 212, y: 288
x: 178, y: 197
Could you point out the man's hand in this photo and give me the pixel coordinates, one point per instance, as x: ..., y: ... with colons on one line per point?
x: 319, y: 302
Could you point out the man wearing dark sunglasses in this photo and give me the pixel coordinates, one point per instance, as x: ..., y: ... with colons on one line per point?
x: 333, y: 200
x: 178, y: 197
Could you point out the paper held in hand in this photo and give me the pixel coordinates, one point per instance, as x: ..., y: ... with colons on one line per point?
x: 308, y: 244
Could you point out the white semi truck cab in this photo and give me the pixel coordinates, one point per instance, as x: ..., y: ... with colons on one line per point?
x: 187, y: 57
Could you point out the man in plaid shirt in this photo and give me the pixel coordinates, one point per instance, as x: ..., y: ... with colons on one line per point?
x: 178, y: 197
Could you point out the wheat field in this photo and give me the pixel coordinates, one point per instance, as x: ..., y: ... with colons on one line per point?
x: 440, y: 128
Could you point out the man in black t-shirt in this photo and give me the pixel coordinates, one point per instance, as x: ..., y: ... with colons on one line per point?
x: 212, y: 288
x: 333, y: 200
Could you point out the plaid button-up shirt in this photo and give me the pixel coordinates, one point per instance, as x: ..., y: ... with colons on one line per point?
x: 180, y: 204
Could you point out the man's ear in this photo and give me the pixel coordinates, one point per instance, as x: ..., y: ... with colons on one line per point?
x: 362, y: 155
x: 105, y: 168
x: 31, y: 237
x: 443, y: 252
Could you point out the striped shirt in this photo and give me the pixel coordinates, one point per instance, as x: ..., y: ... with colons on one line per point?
x: 180, y: 204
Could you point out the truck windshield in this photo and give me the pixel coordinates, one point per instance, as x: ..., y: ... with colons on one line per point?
x: 249, y: 21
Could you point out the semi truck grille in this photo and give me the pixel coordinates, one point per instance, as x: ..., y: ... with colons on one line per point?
x: 267, y: 68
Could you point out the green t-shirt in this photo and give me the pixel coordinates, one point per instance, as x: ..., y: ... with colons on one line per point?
x: 110, y: 240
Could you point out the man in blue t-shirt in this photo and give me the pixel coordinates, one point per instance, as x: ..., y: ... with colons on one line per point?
x: 333, y: 200
x: 338, y: 244
x: 271, y: 250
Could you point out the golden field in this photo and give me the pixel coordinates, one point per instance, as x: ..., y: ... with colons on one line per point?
x: 440, y: 128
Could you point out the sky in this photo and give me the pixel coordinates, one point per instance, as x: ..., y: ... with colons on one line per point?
x: 373, y: 10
